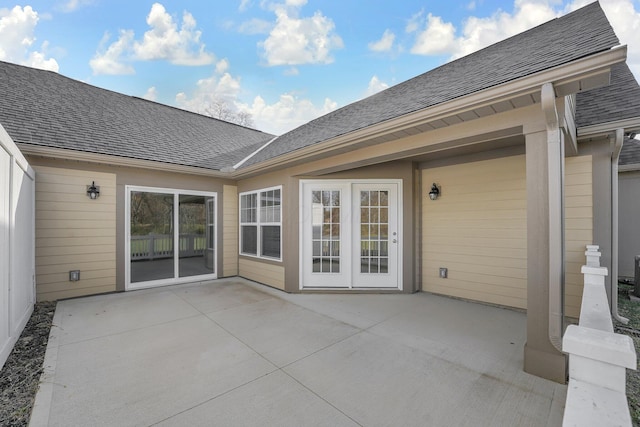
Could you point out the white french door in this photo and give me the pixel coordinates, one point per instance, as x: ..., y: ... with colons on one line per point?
x: 350, y: 234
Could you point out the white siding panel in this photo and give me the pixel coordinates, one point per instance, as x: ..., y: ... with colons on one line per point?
x: 269, y: 274
x: 230, y: 231
x: 477, y: 229
x: 74, y: 233
x: 578, y: 227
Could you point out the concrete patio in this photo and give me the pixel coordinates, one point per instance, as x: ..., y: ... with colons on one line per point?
x: 233, y: 353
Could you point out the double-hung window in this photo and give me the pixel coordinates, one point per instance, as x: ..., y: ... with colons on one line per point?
x: 261, y: 223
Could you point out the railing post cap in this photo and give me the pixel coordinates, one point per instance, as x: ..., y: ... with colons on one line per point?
x: 608, y: 347
x: 596, y: 271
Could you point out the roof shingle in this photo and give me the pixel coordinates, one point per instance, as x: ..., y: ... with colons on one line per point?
x: 48, y: 109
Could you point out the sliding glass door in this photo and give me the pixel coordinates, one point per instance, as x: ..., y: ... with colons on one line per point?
x: 171, y: 236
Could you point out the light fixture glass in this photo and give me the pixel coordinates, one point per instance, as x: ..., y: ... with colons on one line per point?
x: 434, y: 192
x: 93, y: 191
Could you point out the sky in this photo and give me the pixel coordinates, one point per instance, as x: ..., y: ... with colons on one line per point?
x: 283, y: 62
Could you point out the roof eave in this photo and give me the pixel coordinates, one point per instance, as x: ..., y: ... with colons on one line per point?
x: 82, y: 156
x: 583, y: 74
x: 604, y: 129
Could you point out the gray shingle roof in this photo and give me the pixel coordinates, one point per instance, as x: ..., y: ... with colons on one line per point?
x: 47, y: 109
x: 568, y: 38
x: 630, y: 154
x: 618, y: 101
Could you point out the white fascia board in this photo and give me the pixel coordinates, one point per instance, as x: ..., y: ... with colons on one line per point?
x: 629, y: 168
x: 82, y: 156
x: 602, y: 129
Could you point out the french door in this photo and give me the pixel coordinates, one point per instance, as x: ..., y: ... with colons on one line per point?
x: 170, y: 236
x: 350, y: 234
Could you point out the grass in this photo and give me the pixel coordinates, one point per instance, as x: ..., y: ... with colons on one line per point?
x: 631, y: 310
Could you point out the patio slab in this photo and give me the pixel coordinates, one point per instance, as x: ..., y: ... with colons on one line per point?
x: 232, y: 352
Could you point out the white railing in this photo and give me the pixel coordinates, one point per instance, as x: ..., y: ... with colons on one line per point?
x: 157, y: 246
x: 598, y: 357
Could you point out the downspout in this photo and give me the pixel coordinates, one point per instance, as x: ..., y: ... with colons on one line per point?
x: 617, y: 147
x: 555, y: 157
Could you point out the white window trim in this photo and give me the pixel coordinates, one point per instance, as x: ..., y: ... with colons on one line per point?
x: 128, y: 286
x: 259, y: 223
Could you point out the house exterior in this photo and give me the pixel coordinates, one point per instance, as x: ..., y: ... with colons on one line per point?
x: 629, y: 207
x: 517, y: 138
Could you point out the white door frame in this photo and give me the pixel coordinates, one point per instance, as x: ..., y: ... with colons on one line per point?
x: 176, y: 238
x: 345, y: 279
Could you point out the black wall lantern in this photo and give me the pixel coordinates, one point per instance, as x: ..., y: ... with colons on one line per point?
x: 93, y: 191
x: 434, y: 193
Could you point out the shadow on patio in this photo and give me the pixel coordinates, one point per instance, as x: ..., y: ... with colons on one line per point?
x: 230, y: 352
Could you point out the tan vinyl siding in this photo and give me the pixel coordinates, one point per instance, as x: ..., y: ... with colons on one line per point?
x: 269, y: 274
x: 74, y: 232
x: 230, y: 231
x: 477, y: 230
x: 578, y: 227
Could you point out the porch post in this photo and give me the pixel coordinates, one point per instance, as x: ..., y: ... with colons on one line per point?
x: 541, y: 357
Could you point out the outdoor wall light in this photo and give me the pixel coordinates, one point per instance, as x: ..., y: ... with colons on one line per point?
x: 434, y: 192
x: 93, y: 191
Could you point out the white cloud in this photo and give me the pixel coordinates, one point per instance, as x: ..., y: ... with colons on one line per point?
x: 151, y: 94
x: 165, y: 41
x: 384, y: 44
x: 437, y: 37
x: 73, y: 5
x: 375, y: 85
x: 295, y: 41
x: 255, y: 26
x: 221, y: 86
x: 109, y: 61
x: 244, y: 5
x: 287, y: 113
x: 17, y: 38
x: 222, y: 66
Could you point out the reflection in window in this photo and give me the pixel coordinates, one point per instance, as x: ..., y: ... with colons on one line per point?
x: 261, y: 223
x: 325, y: 223
x: 153, y: 238
x: 374, y: 231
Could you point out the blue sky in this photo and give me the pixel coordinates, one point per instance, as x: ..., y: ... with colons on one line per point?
x: 284, y: 62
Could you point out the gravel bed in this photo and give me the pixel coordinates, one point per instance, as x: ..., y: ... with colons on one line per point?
x: 20, y: 374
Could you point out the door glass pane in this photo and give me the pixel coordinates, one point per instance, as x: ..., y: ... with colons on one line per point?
x: 325, y: 231
x: 196, y: 229
x: 374, y: 232
x: 151, y: 236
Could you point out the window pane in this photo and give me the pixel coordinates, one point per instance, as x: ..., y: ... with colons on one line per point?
x: 151, y: 236
x: 249, y: 240
x: 270, y: 240
x: 195, y: 235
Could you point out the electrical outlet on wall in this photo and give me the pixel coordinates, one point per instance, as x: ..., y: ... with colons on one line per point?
x: 443, y: 272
